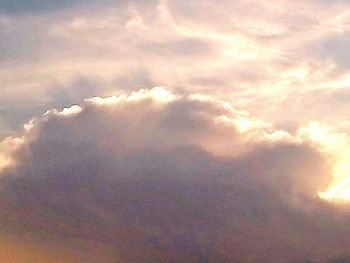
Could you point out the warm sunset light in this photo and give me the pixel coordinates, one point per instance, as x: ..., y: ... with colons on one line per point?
x: 173, y: 131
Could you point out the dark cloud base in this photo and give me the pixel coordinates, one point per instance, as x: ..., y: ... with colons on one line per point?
x: 149, y: 214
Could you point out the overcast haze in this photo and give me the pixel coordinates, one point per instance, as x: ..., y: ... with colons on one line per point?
x: 174, y: 131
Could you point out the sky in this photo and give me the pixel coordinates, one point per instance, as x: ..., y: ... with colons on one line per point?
x: 174, y: 131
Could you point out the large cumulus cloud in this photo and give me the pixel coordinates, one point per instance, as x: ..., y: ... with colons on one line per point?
x: 161, y: 177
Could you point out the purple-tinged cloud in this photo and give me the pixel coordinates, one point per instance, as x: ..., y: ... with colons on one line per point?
x: 161, y: 177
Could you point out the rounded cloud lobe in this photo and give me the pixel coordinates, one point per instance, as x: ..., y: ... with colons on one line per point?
x: 160, y: 177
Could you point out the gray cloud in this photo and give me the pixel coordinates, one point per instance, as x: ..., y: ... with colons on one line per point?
x: 28, y: 6
x: 20, y: 7
x: 335, y: 47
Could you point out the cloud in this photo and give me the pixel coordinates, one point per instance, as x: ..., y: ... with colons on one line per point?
x: 28, y: 6
x: 157, y: 176
x: 181, y: 47
x: 261, y: 54
x: 177, y: 176
x: 336, y: 48
x: 48, y: 6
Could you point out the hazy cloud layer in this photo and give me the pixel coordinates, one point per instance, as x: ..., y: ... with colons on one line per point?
x: 257, y: 54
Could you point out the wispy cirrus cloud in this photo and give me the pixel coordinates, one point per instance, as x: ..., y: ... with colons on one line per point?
x: 256, y: 53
